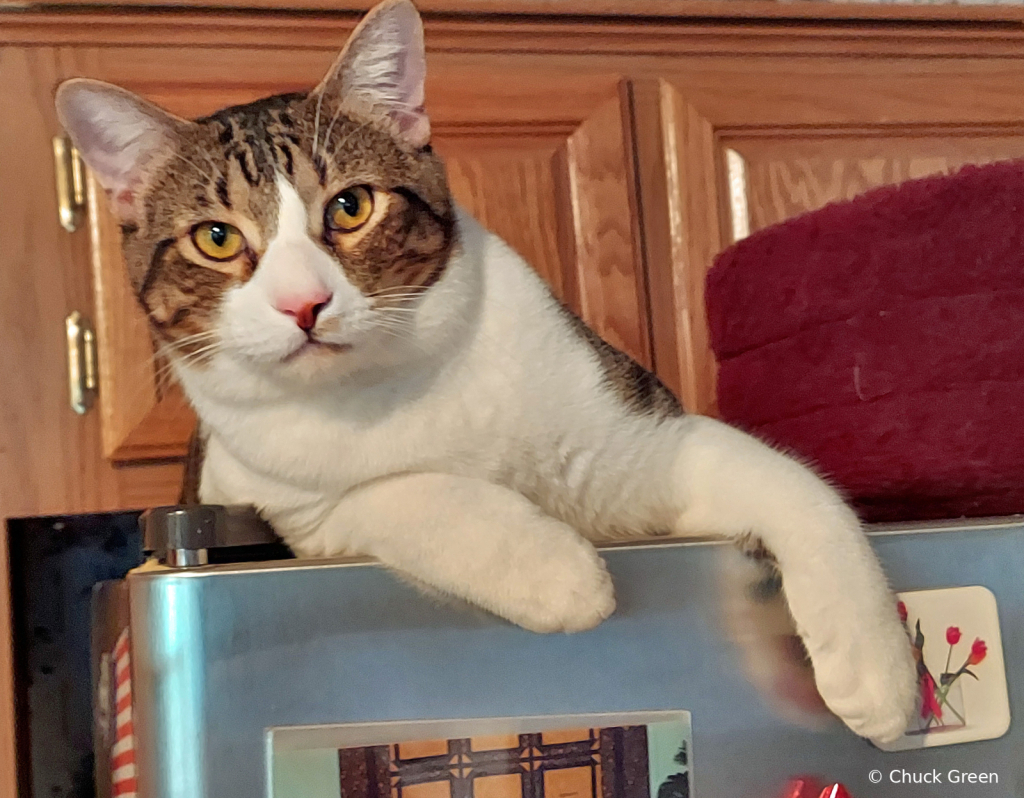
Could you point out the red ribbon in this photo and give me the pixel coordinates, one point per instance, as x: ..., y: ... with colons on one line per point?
x: 809, y: 787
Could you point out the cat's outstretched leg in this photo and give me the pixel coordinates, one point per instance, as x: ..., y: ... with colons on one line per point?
x: 477, y: 541
x: 725, y: 483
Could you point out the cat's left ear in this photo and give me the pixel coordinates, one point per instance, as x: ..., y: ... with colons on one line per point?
x: 121, y: 137
x: 384, y: 64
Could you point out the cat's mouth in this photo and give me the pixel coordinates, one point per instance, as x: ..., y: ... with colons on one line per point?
x: 314, y: 347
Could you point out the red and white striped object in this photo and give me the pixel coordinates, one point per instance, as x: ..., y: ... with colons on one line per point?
x: 122, y: 754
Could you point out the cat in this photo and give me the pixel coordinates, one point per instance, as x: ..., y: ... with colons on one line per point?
x: 379, y: 375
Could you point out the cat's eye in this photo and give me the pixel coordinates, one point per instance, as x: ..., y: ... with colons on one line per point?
x: 218, y: 240
x: 349, y: 210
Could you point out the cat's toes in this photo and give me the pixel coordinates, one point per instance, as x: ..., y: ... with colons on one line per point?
x: 566, y: 593
x: 868, y: 678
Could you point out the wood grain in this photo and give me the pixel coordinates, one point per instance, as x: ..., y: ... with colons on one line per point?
x: 512, y: 192
x: 45, y: 449
x: 609, y: 269
x: 787, y: 176
x: 676, y: 9
x: 143, y: 414
x: 684, y: 233
x: 999, y: 34
x: 50, y: 458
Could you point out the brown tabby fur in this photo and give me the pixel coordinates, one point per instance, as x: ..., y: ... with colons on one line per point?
x: 224, y: 169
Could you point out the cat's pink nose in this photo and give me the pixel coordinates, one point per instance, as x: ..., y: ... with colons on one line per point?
x: 304, y: 309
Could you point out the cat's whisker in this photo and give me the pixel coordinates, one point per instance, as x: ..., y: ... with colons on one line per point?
x: 164, y: 372
x: 199, y: 355
x: 383, y: 324
x: 400, y: 332
x: 398, y: 295
x: 379, y: 301
x: 327, y: 139
x: 394, y: 322
x: 191, y: 163
x: 397, y: 307
x: 173, y: 354
x: 330, y: 128
x: 384, y: 310
x: 207, y: 347
x: 142, y: 376
x: 214, y: 169
x: 164, y: 369
x: 401, y: 335
x: 316, y: 125
x: 408, y: 319
x: 174, y: 348
x: 188, y: 339
x: 381, y: 291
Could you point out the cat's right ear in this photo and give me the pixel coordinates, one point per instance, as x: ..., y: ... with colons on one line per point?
x: 121, y: 137
x: 384, y: 64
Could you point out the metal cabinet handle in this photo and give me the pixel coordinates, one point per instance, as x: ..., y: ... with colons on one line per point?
x: 70, y: 174
x: 82, y: 380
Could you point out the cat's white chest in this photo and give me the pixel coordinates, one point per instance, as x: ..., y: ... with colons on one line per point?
x: 328, y: 447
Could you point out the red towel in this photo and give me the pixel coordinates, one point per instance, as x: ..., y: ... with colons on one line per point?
x: 882, y: 339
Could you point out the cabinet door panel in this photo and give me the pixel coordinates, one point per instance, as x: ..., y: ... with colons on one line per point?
x: 728, y: 161
x: 561, y: 197
x: 548, y: 171
x: 785, y: 176
x: 494, y: 185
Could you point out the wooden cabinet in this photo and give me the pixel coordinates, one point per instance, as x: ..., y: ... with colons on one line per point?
x: 50, y: 457
x: 729, y: 159
x: 617, y: 158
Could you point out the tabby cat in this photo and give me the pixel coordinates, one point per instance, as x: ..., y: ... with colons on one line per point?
x: 379, y: 375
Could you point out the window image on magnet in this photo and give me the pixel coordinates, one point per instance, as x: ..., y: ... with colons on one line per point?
x: 631, y: 755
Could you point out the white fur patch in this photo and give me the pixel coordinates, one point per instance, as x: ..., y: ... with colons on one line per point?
x: 293, y: 265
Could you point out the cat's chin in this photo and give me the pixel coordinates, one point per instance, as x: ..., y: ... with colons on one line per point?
x: 315, y: 362
x: 315, y: 349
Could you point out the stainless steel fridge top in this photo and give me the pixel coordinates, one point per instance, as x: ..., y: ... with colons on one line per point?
x: 225, y: 654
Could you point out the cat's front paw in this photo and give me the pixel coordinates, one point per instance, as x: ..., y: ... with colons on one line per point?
x: 568, y: 591
x: 866, y: 674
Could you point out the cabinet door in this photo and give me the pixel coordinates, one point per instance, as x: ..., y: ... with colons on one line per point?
x: 747, y: 144
x: 50, y: 459
x: 543, y: 160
